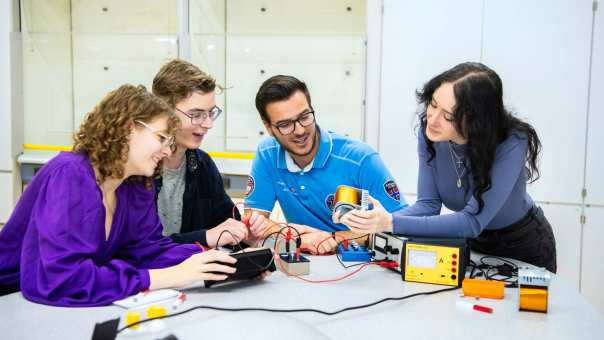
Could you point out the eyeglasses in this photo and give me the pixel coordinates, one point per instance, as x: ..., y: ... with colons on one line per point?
x: 305, y: 119
x: 199, y: 116
x: 166, y: 141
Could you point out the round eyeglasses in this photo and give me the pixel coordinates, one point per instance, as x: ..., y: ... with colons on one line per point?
x: 199, y: 116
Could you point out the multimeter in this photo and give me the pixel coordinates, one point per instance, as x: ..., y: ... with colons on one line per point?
x: 437, y: 261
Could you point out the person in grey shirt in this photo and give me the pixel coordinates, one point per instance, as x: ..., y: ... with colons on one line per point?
x: 475, y: 157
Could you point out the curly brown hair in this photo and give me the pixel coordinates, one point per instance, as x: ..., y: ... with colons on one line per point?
x: 177, y: 79
x: 104, y: 133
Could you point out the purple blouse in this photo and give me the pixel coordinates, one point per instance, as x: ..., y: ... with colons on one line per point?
x: 54, y: 243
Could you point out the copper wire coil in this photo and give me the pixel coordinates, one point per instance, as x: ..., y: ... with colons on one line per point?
x: 346, y: 194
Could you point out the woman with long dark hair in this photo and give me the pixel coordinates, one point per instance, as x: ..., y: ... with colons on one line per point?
x: 475, y: 157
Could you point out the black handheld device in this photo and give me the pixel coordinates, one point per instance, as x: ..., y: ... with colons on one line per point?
x: 249, y: 265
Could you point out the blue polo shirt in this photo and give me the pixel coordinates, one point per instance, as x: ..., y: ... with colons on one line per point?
x: 306, y: 196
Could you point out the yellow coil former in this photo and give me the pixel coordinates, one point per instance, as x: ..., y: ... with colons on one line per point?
x: 533, y: 299
x: 346, y: 194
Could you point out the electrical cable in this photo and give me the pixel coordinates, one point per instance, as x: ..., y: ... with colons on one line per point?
x: 259, y: 266
x: 298, y: 310
x: 503, y: 270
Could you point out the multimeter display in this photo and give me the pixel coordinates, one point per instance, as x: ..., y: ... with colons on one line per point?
x: 421, y: 258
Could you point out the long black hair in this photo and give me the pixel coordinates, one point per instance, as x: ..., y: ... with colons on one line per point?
x: 482, y: 119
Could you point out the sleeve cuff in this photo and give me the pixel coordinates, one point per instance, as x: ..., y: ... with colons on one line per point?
x: 203, y: 239
x: 145, y: 278
x: 397, y: 224
x: 191, y: 237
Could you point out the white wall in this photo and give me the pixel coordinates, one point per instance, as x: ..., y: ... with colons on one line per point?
x: 10, y: 105
x: 416, y: 45
x: 595, y: 160
x: 592, y: 273
x: 541, y: 50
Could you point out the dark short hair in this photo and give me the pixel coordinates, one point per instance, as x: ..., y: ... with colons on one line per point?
x: 276, y: 89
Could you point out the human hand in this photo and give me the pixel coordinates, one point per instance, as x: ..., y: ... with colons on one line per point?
x: 366, y: 221
x: 232, y: 232
x: 317, y: 241
x: 209, y: 265
x: 257, y: 223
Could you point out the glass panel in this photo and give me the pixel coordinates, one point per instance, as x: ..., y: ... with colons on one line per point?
x: 320, y: 42
x: 47, y: 85
x: 119, y: 16
x: 47, y: 88
x: 208, y: 53
x: 332, y: 67
x: 295, y: 17
x: 67, y: 72
x: 76, y: 51
x: 104, y: 62
x: 207, y: 16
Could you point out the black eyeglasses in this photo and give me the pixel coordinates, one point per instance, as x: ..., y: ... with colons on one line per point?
x: 199, y: 116
x: 286, y: 127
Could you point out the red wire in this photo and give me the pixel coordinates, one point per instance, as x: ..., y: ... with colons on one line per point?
x: 325, y: 239
x: 280, y: 263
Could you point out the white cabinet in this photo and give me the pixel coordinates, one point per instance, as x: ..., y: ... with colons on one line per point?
x: 320, y: 42
x: 566, y: 224
x: 595, y: 141
x: 292, y: 17
x: 6, y: 196
x: 47, y: 77
x: 132, y: 16
x: 75, y: 52
x: 420, y: 40
x: 207, y: 16
x: 103, y: 62
x: 43, y: 16
x: 592, y: 270
x: 47, y: 81
x: 541, y: 51
x: 208, y: 53
x: 331, y: 66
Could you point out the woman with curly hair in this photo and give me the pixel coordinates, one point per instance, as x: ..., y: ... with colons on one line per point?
x: 475, y: 157
x: 85, y: 231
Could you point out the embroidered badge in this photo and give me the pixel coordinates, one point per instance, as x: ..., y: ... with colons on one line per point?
x: 392, y: 190
x: 251, y: 184
x: 329, y: 201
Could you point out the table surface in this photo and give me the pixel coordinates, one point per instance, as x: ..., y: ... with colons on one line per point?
x: 436, y: 316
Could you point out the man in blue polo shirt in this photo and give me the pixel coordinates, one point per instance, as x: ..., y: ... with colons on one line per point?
x: 302, y: 165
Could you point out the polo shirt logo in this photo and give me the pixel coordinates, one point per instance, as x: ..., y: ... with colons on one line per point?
x: 251, y: 184
x: 329, y: 201
x: 392, y: 190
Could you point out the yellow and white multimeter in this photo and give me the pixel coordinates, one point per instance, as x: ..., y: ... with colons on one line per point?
x: 438, y: 263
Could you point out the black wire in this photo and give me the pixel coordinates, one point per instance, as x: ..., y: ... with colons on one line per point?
x: 506, y: 272
x: 299, y: 310
x: 268, y: 236
x: 233, y: 236
x: 259, y: 266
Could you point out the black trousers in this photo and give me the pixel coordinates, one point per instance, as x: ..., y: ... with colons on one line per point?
x: 530, y: 240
